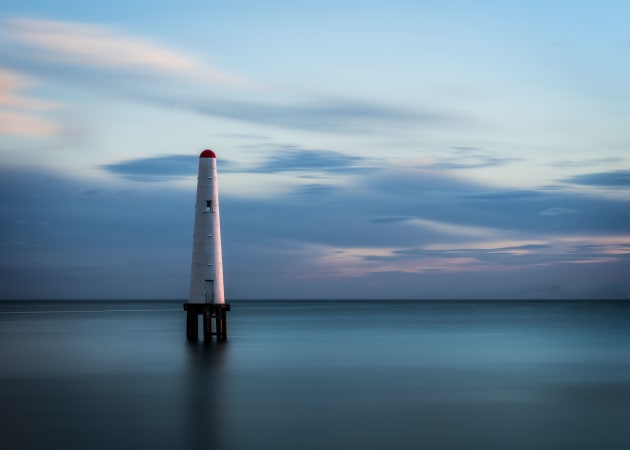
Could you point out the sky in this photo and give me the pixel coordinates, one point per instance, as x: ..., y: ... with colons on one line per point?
x: 366, y: 150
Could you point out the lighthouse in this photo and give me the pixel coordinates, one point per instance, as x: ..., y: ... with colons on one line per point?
x: 207, y: 297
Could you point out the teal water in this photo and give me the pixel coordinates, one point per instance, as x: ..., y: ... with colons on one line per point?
x: 317, y: 375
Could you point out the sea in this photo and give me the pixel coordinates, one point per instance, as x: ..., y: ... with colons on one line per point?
x: 300, y: 375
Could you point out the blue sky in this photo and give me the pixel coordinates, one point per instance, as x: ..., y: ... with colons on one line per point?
x: 366, y: 149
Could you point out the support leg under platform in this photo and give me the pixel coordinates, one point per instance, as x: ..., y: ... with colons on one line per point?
x: 192, y: 326
x: 214, y: 321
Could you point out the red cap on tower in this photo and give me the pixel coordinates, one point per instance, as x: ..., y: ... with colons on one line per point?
x: 207, y: 154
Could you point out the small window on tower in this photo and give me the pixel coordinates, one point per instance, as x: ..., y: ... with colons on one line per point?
x: 208, y: 205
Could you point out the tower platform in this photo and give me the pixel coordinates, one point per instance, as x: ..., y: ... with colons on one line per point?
x: 214, y: 321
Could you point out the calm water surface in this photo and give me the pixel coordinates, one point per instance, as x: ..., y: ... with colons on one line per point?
x: 317, y: 375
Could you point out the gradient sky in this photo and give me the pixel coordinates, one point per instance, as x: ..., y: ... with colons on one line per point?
x: 366, y: 149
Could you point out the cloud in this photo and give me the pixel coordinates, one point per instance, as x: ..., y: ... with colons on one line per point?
x: 361, y: 262
x: 11, y: 83
x: 492, y: 258
x: 391, y: 208
x: 291, y: 159
x: 315, y: 190
x: 136, y: 68
x: 507, y: 195
x: 451, y: 229
x: 21, y: 124
x: 483, y: 257
x: 556, y: 211
x: 313, y: 239
x: 587, y: 162
x: 614, y: 179
x: 282, y: 159
x: 475, y: 162
x: 303, y: 113
x: 89, y: 240
x: 470, y: 157
x: 99, y: 46
x: 390, y: 219
x: 158, y: 168
x: 20, y: 114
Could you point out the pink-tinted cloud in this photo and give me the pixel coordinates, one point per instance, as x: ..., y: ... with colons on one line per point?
x: 20, y: 115
x: 11, y: 83
x: 100, y: 46
x: 20, y: 124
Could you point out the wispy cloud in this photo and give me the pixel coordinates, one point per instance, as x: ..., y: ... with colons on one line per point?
x: 20, y: 114
x: 100, y: 46
x: 303, y: 112
x: 489, y: 256
x: 292, y: 159
x: 556, y: 211
x: 586, y: 162
x: 21, y: 124
x: 158, y: 168
x: 452, y: 229
x: 354, y: 234
x: 614, y: 179
x: 107, y: 59
x: 281, y: 159
x: 363, y: 261
x: 11, y: 86
x: 470, y: 157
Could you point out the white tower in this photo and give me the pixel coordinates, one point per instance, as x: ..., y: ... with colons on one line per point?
x: 206, y: 276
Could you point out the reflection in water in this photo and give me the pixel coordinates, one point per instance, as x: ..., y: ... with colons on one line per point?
x: 204, y: 387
